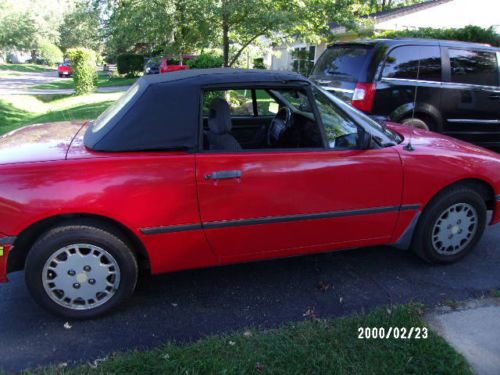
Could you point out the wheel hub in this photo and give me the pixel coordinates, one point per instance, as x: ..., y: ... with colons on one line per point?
x: 454, y: 229
x: 81, y: 276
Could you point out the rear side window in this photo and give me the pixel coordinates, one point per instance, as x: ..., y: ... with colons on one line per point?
x: 474, y: 67
x: 414, y: 62
x: 343, y: 62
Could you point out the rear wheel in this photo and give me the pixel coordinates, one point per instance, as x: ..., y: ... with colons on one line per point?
x: 451, y: 225
x: 417, y: 123
x: 80, y: 271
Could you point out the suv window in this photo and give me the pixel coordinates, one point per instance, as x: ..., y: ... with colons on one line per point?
x: 343, y: 62
x: 414, y: 62
x: 474, y: 67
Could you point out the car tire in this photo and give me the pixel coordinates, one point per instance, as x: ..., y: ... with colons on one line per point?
x: 450, y: 226
x: 416, y: 123
x: 81, y: 270
x: 60, y: 75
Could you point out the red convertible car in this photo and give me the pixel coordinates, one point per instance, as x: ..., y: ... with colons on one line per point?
x: 202, y: 168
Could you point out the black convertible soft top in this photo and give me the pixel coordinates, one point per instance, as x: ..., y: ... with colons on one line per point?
x: 162, y: 111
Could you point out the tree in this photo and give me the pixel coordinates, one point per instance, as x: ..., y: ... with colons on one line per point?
x: 158, y: 26
x: 17, y: 29
x: 82, y: 27
x: 50, y: 53
x: 83, y: 62
x: 242, y: 22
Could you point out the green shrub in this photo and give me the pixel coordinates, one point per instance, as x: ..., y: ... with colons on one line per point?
x: 130, y: 64
x: 469, y: 33
x: 258, y: 63
x: 84, y: 69
x: 50, y: 53
x: 205, y: 61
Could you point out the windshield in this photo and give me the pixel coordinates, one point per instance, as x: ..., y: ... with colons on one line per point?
x: 387, y: 136
x: 109, y: 113
x: 343, y: 62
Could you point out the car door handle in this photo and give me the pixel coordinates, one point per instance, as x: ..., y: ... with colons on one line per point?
x: 494, y: 96
x: 223, y: 175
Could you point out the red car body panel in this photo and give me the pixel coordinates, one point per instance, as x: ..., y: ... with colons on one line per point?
x: 65, y: 70
x: 292, y: 186
x: 165, y: 67
x: 281, y: 206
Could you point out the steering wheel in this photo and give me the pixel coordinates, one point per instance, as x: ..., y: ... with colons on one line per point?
x: 280, y: 123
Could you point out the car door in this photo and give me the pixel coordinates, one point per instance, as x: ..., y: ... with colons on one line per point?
x: 471, y: 96
x: 275, y: 202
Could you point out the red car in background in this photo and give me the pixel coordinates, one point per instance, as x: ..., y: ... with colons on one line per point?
x: 209, y: 167
x: 65, y: 69
x: 173, y: 65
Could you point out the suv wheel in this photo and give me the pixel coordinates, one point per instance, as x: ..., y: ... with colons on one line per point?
x: 416, y: 122
x: 80, y: 271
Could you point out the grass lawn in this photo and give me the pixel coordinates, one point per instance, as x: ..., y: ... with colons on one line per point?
x: 26, y: 68
x: 102, y: 81
x: 312, y: 347
x: 20, y: 110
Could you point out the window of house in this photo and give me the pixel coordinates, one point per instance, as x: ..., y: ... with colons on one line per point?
x: 473, y: 67
x: 303, y: 60
x: 414, y: 62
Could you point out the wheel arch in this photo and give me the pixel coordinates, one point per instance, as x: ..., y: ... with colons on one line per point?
x: 425, y: 109
x: 29, y: 235
x: 481, y: 186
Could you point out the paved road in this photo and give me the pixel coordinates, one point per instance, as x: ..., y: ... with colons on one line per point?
x: 187, y: 305
x: 22, y: 84
x: 23, y: 81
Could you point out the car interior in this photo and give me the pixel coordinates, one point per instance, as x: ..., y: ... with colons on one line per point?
x: 249, y: 119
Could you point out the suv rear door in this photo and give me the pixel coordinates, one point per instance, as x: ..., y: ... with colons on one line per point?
x: 341, y: 67
x: 472, y: 106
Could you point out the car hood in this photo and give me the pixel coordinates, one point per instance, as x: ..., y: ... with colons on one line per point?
x: 438, y: 142
x: 39, y: 142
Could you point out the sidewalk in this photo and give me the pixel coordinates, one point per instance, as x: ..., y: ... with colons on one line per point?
x: 473, y: 329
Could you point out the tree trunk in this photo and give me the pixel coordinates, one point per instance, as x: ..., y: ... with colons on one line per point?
x: 225, y: 34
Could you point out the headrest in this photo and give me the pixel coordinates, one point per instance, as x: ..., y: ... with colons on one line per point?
x: 219, y: 117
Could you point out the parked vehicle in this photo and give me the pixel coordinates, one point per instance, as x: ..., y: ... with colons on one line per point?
x: 208, y: 167
x: 445, y: 86
x: 65, y: 69
x: 152, y: 66
x: 157, y: 65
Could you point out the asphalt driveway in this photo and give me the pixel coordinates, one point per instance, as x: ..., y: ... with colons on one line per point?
x: 188, y: 305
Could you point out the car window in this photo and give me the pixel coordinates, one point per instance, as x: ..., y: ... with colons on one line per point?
x: 109, y: 113
x: 277, y: 119
x: 340, y: 131
x: 474, y: 67
x: 342, y: 62
x: 240, y: 101
x: 414, y: 62
x: 266, y: 104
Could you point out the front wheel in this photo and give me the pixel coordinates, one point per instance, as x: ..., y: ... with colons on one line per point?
x: 451, y: 225
x: 80, y: 271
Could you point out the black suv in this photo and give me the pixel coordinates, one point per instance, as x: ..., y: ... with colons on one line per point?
x: 445, y: 86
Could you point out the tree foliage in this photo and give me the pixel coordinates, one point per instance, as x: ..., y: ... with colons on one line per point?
x: 206, y: 60
x: 83, y: 62
x: 467, y: 34
x: 130, y: 64
x: 50, y: 52
x: 82, y: 27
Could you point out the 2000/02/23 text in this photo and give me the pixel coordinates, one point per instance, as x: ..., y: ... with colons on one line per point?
x: 403, y: 333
